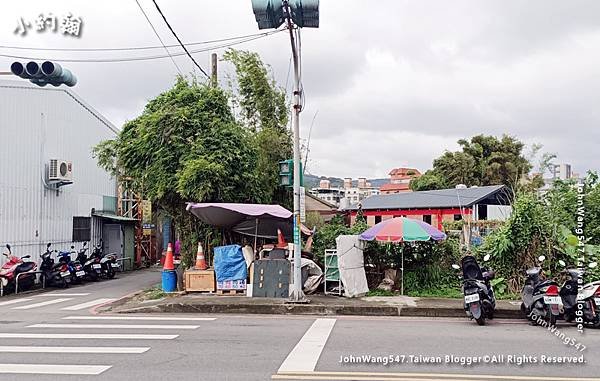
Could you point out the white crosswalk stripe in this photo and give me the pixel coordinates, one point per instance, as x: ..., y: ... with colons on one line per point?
x: 53, y: 369
x: 113, y: 326
x: 157, y: 318
x: 88, y: 304
x: 41, y: 304
x: 53, y: 294
x: 99, y: 336
x: 14, y: 301
x: 47, y: 349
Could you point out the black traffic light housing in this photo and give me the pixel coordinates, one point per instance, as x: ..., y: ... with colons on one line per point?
x: 47, y: 73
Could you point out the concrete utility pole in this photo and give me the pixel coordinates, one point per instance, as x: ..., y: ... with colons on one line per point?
x: 213, y: 70
x: 297, y: 295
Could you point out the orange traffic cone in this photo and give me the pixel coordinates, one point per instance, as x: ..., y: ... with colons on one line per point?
x: 200, y: 261
x: 169, y: 259
x: 281, y: 240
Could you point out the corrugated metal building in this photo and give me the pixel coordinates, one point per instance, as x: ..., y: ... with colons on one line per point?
x: 36, y: 125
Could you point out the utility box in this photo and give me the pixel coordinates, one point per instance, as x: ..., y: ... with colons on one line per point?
x: 200, y: 280
x: 271, y: 278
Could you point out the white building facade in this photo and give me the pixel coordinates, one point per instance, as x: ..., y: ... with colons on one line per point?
x: 38, y: 125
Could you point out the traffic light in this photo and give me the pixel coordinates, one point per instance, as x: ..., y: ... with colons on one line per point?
x: 286, y: 173
x: 270, y: 14
x: 47, y: 73
x: 305, y: 13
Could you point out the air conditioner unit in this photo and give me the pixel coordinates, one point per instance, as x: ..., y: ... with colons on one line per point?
x: 60, y: 171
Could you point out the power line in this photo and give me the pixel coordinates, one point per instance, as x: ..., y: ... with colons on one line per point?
x: 142, y: 58
x: 262, y: 34
x: 159, y: 39
x: 178, y: 40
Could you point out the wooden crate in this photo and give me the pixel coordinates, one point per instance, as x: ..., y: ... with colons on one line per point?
x: 200, y: 280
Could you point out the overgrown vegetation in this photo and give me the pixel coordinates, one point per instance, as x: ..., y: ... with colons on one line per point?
x: 200, y: 143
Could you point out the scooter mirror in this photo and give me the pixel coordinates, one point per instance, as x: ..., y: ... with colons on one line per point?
x: 562, y: 263
x: 486, y: 258
x: 593, y: 265
x: 8, y: 246
x: 48, y: 245
x: 72, y: 247
x: 84, y: 244
x: 455, y: 266
x: 541, y: 258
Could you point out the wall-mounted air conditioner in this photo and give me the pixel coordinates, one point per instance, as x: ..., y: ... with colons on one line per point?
x: 60, y: 171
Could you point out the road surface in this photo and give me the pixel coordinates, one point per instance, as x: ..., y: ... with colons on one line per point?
x: 56, y: 336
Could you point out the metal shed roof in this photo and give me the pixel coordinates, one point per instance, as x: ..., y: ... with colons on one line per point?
x: 434, y: 199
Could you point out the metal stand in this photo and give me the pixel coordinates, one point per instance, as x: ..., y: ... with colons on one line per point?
x: 332, y: 272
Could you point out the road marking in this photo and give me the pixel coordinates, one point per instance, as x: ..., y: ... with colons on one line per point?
x: 137, y: 318
x: 41, y: 304
x: 85, y: 336
x: 53, y: 369
x: 306, y: 353
x: 380, y: 376
x: 114, y: 326
x: 60, y: 294
x: 88, y: 304
x: 22, y: 349
x: 14, y: 301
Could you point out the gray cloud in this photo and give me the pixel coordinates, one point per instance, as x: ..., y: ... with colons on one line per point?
x: 395, y: 82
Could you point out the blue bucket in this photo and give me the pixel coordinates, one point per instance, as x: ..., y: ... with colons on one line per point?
x: 169, y: 280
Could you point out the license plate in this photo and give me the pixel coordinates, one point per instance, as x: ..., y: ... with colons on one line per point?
x: 471, y: 298
x: 80, y: 273
x: 97, y: 266
x: 114, y: 264
x: 552, y: 300
x: 65, y: 274
x: 597, y: 300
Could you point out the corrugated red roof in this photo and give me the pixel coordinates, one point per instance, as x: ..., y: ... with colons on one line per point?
x: 393, y: 187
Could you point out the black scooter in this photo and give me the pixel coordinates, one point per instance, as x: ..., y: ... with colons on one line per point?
x: 540, y: 297
x: 578, y: 306
x: 480, y: 301
x: 108, y: 262
x: 55, y: 274
x: 92, y: 267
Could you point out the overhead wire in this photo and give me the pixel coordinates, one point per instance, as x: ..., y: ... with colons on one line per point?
x: 143, y: 58
x: 158, y: 36
x: 178, y: 40
x: 262, y: 34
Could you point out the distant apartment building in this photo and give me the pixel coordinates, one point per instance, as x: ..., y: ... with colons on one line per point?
x: 559, y: 172
x: 346, y: 195
x: 400, y: 180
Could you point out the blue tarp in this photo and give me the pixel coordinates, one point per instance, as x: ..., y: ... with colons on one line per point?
x: 229, y: 263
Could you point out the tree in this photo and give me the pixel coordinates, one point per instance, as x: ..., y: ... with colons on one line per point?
x: 263, y: 109
x: 428, y: 181
x: 482, y: 160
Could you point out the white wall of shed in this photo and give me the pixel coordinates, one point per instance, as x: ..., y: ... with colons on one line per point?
x: 37, y: 125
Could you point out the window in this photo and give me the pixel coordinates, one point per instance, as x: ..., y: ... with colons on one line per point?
x: 427, y: 218
x: 377, y: 219
x: 82, y: 229
x: 457, y: 217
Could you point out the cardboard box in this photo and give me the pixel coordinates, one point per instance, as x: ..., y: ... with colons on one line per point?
x: 200, y: 280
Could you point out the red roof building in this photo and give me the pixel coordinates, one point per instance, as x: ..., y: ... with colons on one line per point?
x: 399, y: 180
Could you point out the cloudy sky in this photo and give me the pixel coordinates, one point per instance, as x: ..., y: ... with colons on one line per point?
x: 393, y: 83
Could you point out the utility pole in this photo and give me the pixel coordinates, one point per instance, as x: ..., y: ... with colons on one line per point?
x: 213, y: 70
x: 300, y: 13
x: 297, y: 295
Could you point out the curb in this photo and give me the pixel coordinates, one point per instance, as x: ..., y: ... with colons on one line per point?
x: 295, y: 309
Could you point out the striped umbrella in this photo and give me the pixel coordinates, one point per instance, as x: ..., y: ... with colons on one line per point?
x: 402, y: 229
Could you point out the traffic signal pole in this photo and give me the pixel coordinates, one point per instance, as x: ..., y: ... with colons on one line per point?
x: 297, y: 295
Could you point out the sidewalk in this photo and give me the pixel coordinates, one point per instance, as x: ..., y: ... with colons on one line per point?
x: 319, y: 305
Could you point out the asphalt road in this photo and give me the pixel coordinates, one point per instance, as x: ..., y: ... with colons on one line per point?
x: 56, y: 336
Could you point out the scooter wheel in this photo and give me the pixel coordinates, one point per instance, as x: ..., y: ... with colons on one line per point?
x: 111, y: 274
x: 550, y: 317
x: 480, y: 320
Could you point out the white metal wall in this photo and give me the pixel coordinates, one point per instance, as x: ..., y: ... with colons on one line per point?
x: 37, y: 124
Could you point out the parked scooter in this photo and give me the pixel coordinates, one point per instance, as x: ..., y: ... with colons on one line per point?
x: 75, y: 267
x: 91, y: 267
x: 480, y: 301
x: 108, y: 262
x: 55, y: 274
x: 571, y: 297
x: 15, y: 266
x: 540, y: 298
